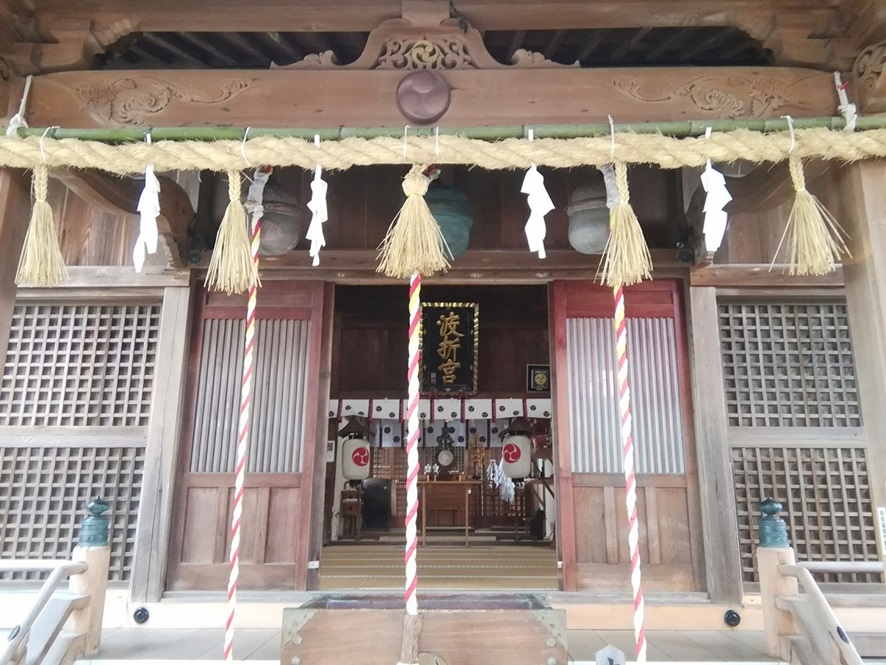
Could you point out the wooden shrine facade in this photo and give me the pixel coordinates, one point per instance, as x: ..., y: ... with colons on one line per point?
x: 764, y: 383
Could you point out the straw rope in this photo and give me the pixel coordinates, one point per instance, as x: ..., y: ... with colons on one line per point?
x: 667, y: 152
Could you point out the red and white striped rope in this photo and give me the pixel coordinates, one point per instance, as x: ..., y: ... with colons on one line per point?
x: 412, y: 434
x: 242, y: 445
x: 624, y: 408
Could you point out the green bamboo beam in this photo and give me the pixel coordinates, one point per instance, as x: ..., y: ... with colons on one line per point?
x: 677, y: 129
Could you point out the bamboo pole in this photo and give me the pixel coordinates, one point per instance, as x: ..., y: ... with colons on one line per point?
x: 676, y: 129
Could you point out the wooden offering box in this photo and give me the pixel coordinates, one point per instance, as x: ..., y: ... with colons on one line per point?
x: 456, y: 630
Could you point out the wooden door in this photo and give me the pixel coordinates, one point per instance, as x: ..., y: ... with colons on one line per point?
x: 279, y: 487
x: 592, y: 527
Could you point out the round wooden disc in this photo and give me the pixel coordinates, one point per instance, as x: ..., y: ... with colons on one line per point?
x: 423, y: 97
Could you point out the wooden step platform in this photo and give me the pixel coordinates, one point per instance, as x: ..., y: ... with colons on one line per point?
x: 439, y: 567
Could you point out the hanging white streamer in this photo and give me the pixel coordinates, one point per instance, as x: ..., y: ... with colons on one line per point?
x: 256, y: 195
x: 18, y: 120
x: 718, y: 196
x: 149, y: 210
x: 540, y: 204
x: 319, y: 211
x: 847, y: 110
x: 506, y: 489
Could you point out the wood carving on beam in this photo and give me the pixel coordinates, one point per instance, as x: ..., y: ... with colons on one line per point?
x: 869, y: 78
x: 305, y: 98
x: 400, y: 45
x: 135, y: 100
x: 729, y: 95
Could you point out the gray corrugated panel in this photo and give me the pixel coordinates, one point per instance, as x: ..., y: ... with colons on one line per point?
x: 595, y: 424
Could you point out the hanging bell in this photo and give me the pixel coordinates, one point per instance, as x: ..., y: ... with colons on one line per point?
x: 451, y: 209
x: 281, y: 220
x: 588, y: 218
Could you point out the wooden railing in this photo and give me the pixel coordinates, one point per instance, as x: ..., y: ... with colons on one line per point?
x: 77, y: 613
x: 800, y: 629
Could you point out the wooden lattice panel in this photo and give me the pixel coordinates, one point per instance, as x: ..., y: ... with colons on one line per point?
x: 788, y: 365
x: 44, y: 494
x: 80, y: 365
x: 826, y: 498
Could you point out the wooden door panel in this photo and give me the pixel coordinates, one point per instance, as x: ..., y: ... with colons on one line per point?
x: 275, y: 520
x: 595, y: 550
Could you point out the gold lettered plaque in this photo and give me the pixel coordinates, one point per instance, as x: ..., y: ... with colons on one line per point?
x: 449, y: 347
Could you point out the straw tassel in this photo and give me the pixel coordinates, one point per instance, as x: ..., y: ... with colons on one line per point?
x: 413, y: 243
x: 626, y: 258
x: 41, y: 262
x: 815, y: 241
x: 231, y: 268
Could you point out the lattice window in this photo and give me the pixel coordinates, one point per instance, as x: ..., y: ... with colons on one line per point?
x: 44, y: 492
x: 788, y: 365
x: 280, y: 377
x: 826, y: 498
x: 80, y: 365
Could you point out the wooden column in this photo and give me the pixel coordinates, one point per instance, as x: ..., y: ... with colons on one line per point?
x: 565, y: 525
x: 716, y: 488
x: 863, y: 199
x: 321, y: 434
x: 155, y: 508
x: 15, y: 204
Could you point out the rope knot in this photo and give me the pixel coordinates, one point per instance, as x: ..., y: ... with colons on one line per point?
x: 416, y: 182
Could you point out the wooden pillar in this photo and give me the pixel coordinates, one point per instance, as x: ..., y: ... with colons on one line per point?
x: 321, y: 429
x: 862, y: 196
x: 565, y: 525
x: 155, y: 507
x: 15, y: 205
x: 92, y: 549
x: 716, y: 487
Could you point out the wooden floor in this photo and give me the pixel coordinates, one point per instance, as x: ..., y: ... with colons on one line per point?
x: 264, y: 645
x: 380, y: 566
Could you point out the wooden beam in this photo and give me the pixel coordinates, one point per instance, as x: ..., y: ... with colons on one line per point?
x: 589, y: 46
x: 155, y: 508
x: 359, y: 15
x: 86, y: 437
x: 15, y: 205
x: 203, y: 44
x: 116, y: 277
x: 716, y: 486
x: 350, y: 98
x: 756, y: 275
x: 166, y: 45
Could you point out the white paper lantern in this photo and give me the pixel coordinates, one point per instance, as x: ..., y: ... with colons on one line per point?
x: 356, y: 456
x: 516, y: 454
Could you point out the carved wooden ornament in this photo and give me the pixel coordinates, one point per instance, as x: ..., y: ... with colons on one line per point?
x: 423, y: 97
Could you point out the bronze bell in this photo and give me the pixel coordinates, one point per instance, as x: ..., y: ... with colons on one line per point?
x: 281, y: 221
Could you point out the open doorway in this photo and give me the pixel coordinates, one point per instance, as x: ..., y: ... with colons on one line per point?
x: 487, y: 515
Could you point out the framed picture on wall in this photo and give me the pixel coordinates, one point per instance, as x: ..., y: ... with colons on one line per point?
x: 538, y: 378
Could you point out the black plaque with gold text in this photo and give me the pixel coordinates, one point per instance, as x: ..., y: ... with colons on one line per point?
x: 449, y: 347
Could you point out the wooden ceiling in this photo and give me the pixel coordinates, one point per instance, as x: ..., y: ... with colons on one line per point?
x: 715, y: 46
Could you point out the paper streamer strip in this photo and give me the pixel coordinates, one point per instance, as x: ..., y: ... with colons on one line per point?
x: 624, y: 407
x: 254, y: 202
x: 149, y: 210
x: 319, y: 212
x: 412, y: 434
